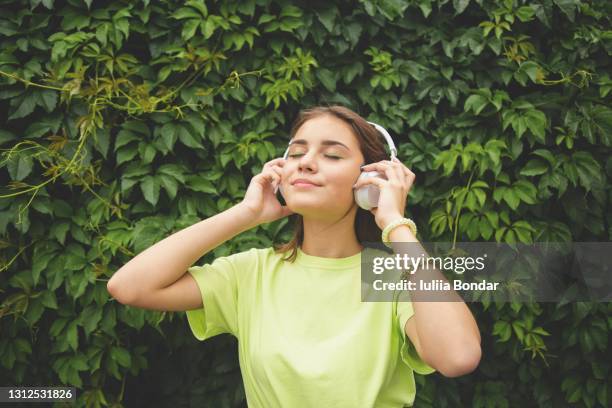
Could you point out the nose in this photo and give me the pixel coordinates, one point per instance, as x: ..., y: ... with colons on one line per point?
x: 307, y: 162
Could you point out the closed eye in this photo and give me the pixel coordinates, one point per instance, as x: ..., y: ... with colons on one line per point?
x: 328, y: 156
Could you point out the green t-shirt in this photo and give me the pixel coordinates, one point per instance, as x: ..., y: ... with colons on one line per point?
x: 305, y: 339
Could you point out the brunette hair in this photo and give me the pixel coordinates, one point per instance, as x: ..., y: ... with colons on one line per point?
x: 372, y: 145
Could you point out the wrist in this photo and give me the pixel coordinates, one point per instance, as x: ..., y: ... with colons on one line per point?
x: 390, y: 233
x: 389, y: 219
x: 402, y: 233
x: 246, y: 216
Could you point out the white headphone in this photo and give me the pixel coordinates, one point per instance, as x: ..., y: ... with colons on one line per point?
x: 366, y: 196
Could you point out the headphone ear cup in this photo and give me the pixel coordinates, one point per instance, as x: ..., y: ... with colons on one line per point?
x: 366, y: 196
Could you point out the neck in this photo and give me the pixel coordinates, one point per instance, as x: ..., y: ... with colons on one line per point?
x: 331, y: 239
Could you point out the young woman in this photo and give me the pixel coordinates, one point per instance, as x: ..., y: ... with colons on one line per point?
x: 305, y: 337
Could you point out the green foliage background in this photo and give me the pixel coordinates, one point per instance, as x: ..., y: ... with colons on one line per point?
x: 122, y: 122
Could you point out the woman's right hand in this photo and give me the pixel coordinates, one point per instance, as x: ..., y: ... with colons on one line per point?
x: 260, y: 199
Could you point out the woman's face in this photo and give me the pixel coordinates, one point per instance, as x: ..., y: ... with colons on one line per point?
x: 325, y: 152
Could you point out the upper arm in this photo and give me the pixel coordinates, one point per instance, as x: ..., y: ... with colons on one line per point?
x: 184, y: 294
x: 413, y: 335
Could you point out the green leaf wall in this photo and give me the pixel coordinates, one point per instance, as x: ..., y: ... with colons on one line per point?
x: 123, y: 122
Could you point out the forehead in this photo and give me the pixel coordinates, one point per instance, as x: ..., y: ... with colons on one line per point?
x: 326, y: 127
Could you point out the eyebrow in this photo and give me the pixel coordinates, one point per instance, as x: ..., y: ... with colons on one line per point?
x: 324, y: 143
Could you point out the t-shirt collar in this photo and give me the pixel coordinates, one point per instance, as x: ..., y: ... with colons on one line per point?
x: 333, y: 263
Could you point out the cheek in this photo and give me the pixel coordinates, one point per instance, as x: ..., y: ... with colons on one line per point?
x: 343, y: 185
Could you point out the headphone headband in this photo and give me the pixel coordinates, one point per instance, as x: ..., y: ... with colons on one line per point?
x: 385, y: 134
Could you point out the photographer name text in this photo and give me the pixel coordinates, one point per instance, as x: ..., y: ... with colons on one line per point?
x: 434, y: 285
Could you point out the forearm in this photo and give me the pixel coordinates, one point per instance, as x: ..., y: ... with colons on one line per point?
x: 446, y: 329
x: 165, y: 262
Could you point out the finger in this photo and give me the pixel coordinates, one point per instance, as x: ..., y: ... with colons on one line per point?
x: 377, y: 166
x: 400, y: 176
x: 271, y: 177
x: 406, y: 170
x: 409, y: 174
x: 390, y: 170
x: 377, y: 181
x: 277, y: 169
x: 403, y: 173
x: 279, y: 161
x: 394, y: 173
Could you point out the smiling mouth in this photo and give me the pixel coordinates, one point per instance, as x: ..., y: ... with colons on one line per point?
x: 304, y: 185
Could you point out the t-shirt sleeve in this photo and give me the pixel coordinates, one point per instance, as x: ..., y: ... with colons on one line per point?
x: 408, y: 352
x: 218, y: 286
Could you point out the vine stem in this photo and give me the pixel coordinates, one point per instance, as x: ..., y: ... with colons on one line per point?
x: 459, y: 211
x: 122, y: 388
x: 30, y: 83
x: 6, y: 266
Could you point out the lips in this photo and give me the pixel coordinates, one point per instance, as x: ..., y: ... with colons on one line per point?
x: 304, y: 181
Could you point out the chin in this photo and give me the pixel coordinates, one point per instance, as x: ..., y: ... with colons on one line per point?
x: 317, y: 209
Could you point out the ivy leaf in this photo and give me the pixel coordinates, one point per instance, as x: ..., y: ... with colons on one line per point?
x: 352, y: 32
x: 511, y: 198
x: 48, y: 99
x: 20, y: 167
x: 531, y: 69
x: 526, y: 191
x: 126, y: 153
x: 476, y: 103
x: 71, y: 335
x: 351, y: 71
x: 189, y: 28
x: 124, y: 137
x: 89, y: 318
x: 187, y: 138
x: 545, y: 154
x: 568, y: 8
x: 121, y: 356
x: 147, y: 152
x: 169, y: 184
x: 198, y: 183
x: 536, y: 122
x: 173, y: 170
x: 534, y: 167
x: 5, y: 136
x: 137, y: 126
x: 602, y: 118
x: 102, y: 141
x: 327, y: 17
x: 186, y: 12
x: 169, y: 135
x: 503, y: 330
x: 150, y: 189
x: 460, y: 5
x: 485, y: 228
x: 25, y: 105
x: 327, y: 78
x: 525, y: 13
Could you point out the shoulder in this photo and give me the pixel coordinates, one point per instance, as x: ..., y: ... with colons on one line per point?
x: 254, y: 257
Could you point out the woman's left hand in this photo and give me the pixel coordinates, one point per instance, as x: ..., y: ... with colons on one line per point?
x: 393, y: 191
